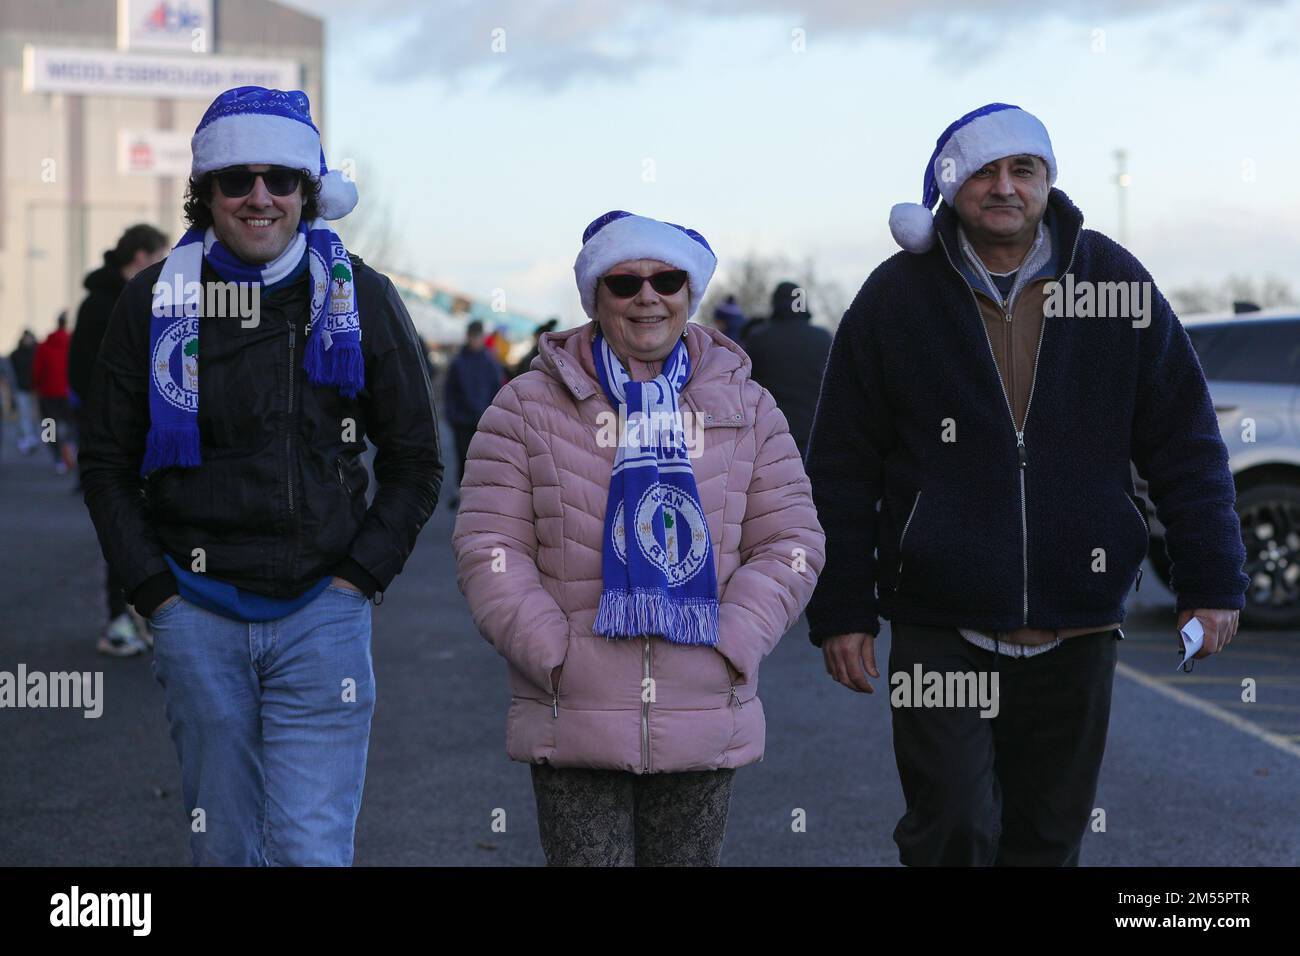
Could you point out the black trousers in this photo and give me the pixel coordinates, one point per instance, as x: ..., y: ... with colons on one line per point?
x: 464, y: 435
x: 1015, y: 789
x: 613, y: 818
x: 112, y: 586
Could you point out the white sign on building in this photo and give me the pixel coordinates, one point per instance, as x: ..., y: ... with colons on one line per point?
x: 176, y: 25
x: 153, y: 152
x: 105, y: 73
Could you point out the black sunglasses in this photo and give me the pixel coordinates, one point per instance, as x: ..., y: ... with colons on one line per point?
x: 624, y: 286
x: 238, y: 182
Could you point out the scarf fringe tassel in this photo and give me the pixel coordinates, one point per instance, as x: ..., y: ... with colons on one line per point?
x: 341, y: 365
x: 641, y: 612
x: 171, y: 446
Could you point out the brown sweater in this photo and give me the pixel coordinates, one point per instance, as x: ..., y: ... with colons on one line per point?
x: 1015, y: 337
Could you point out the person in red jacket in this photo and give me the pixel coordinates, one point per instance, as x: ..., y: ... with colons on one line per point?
x: 50, y: 382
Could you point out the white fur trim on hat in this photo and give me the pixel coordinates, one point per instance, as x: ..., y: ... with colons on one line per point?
x: 246, y: 139
x: 986, y: 138
x: 251, y: 139
x: 639, y: 237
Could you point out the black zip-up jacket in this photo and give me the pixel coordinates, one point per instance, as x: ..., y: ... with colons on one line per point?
x: 788, y: 354
x: 983, y: 527
x: 280, y: 498
x: 103, y: 286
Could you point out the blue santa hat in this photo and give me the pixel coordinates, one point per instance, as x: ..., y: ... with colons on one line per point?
x: 620, y: 236
x: 978, y: 138
x: 251, y: 125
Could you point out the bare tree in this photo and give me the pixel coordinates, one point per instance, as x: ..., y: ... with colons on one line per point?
x: 753, y: 276
x: 1266, y: 292
x: 368, y: 229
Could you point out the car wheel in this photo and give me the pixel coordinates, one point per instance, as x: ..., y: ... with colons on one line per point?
x: 1270, y: 529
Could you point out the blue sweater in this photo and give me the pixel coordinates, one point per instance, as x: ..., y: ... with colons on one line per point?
x: 1002, y: 534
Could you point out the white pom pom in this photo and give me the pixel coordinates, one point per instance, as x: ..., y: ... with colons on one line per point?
x: 338, y: 195
x: 912, y: 226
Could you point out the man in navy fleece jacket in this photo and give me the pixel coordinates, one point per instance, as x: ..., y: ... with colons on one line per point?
x: 969, y: 458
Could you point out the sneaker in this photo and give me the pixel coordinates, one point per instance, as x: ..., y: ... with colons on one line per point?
x: 120, y: 639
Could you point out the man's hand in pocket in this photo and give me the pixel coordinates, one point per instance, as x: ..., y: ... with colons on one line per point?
x: 164, y: 605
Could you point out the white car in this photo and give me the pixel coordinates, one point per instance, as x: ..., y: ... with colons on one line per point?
x: 1252, y: 365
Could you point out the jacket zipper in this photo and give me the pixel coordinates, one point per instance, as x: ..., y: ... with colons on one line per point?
x: 338, y: 464
x: 1141, y: 517
x: 1024, y: 515
x: 1020, y: 447
x: 1009, y: 338
x: 1137, y: 586
x: 1019, y: 433
x: 903, y: 537
x: 288, y: 436
x: 645, y: 709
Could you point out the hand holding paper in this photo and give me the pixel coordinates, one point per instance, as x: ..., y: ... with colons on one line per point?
x: 1205, y: 631
x: 1193, y: 634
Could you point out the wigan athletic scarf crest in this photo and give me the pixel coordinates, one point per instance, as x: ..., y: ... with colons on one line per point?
x: 333, y: 353
x: 657, y: 562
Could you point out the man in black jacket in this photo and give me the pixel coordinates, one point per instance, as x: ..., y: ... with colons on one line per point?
x: 241, y: 379
x: 473, y: 380
x: 970, y: 461
x: 139, y: 246
x: 21, y: 360
x: 789, y: 353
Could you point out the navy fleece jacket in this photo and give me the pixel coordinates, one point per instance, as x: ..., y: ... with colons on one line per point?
x: 1004, y: 531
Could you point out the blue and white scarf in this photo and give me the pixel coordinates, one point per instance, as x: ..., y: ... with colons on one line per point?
x: 657, y: 560
x: 332, y: 356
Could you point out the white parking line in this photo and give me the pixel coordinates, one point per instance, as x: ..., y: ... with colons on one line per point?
x: 1212, y: 710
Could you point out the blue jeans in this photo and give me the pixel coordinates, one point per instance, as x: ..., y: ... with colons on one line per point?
x: 272, y: 725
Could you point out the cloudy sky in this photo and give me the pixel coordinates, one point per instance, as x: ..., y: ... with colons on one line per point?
x: 491, y: 132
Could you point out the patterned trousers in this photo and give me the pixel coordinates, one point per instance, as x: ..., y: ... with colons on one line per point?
x: 616, y: 818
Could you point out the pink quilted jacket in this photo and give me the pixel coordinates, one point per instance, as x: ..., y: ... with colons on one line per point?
x: 528, y: 555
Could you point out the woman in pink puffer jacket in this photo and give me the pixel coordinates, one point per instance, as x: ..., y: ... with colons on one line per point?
x: 635, y: 722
